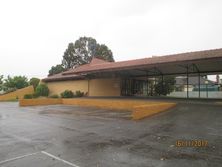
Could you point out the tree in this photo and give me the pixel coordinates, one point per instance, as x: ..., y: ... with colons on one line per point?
x: 103, y: 52
x: 69, y: 57
x: 16, y: 82
x: 165, y: 87
x: 1, y: 82
x: 34, y: 82
x: 56, y: 69
x: 83, y: 50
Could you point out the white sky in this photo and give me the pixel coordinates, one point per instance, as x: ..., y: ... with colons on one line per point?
x: 35, y: 33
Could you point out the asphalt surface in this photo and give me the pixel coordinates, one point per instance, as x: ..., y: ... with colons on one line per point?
x: 63, y: 136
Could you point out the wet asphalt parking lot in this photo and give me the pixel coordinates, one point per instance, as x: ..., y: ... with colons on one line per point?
x: 64, y: 136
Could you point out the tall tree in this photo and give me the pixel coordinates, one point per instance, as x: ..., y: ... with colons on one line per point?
x: 68, y: 60
x: 56, y: 69
x: 82, y: 51
x: 103, y: 52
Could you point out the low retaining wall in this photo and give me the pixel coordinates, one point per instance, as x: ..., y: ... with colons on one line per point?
x: 18, y: 94
x: 40, y: 101
x: 120, y: 104
x: 143, y: 111
x: 139, y: 108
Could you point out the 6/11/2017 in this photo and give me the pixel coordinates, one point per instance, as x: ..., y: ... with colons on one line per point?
x: 191, y: 143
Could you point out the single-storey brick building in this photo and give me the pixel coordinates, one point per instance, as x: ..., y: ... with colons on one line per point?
x: 102, y: 78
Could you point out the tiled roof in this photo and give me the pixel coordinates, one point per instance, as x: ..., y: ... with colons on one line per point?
x: 97, y: 61
x: 67, y: 76
x: 189, y: 56
x: 61, y: 77
x: 94, y: 64
x: 101, y: 65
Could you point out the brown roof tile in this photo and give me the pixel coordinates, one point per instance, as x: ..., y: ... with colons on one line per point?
x: 61, y: 77
x: 189, y: 56
x: 101, y: 65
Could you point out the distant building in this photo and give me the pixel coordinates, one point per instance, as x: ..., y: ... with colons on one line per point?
x: 193, y: 84
x: 218, y: 79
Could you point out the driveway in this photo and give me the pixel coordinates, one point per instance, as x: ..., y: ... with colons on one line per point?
x: 63, y: 136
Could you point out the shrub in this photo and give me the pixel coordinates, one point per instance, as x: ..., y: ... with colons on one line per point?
x: 35, y: 95
x: 67, y: 94
x: 54, y: 96
x: 42, y: 90
x: 79, y: 93
x: 28, y: 96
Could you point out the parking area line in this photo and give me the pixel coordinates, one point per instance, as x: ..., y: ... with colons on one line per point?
x: 43, y: 152
x: 19, y: 157
x: 59, y: 159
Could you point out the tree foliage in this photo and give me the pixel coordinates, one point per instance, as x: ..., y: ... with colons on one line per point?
x: 1, y: 82
x: 34, y: 82
x: 165, y: 87
x: 56, y: 69
x: 83, y: 50
x: 1, y: 79
x: 16, y: 82
x: 103, y: 52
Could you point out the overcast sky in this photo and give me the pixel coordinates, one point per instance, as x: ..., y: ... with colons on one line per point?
x: 35, y: 33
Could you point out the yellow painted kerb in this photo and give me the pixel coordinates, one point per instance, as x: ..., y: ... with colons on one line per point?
x: 139, y: 108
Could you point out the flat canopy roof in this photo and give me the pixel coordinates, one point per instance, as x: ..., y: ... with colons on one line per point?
x: 208, y: 61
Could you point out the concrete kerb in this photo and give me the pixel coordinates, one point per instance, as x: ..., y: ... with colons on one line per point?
x: 139, y: 109
x: 38, y: 102
x: 143, y: 111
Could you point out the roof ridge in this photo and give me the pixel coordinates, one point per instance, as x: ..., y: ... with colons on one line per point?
x: 96, y: 60
x: 174, y: 54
